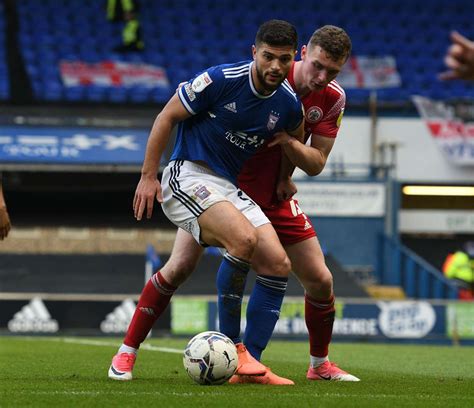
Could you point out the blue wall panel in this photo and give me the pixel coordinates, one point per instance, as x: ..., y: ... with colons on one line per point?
x: 351, y: 240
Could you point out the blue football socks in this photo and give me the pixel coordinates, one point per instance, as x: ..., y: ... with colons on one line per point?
x: 231, y: 278
x: 263, y: 312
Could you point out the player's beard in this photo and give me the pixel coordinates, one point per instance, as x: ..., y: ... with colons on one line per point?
x: 267, y: 87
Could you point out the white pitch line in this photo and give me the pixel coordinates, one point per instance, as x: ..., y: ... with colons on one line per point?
x: 249, y: 393
x: 86, y: 342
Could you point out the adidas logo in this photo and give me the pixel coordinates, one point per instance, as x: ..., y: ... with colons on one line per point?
x: 231, y: 107
x: 118, y: 320
x: 307, y: 225
x: 148, y: 310
x: 33, y: 317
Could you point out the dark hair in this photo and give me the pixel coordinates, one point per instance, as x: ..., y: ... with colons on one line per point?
x: 277, y: 33
x: 333, y: 40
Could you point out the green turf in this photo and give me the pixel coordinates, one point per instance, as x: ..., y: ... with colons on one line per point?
x: 49, y: 372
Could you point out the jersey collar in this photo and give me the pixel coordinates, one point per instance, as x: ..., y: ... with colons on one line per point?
x: 254, y: 90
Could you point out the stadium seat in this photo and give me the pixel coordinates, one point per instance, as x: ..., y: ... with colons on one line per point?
x: 4, y: 81
x: 182, y: 38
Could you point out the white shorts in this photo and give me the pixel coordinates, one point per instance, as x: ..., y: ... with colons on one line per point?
x: 189, y: 189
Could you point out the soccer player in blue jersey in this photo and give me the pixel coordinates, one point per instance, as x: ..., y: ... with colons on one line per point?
x: 225, y: 114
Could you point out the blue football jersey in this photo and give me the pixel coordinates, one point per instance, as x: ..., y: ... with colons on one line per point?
x: 231, y: 120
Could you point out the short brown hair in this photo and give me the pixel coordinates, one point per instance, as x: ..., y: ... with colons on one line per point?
x: 334, y: 40
x: 277, y: 33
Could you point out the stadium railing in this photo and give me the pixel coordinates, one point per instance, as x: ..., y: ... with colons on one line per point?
x: 399, y: 266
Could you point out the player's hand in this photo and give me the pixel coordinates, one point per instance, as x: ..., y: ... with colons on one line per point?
x: 280, y: 138
x: 459, y: 59
x: 5, y: 225
x: 286, y: 189
x: 147, y: 190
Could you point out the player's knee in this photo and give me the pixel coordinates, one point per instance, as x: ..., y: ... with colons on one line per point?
x: 176, y: 271
x: 320, y: 285
x: 327, y: 283
x: 281, y: 268
x: 244, y: 244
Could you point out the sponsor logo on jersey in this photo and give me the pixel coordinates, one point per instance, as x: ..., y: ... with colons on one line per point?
x: 33, y: 317
x: 272, y: 120
x: 201, y: 82
x: 231, y: 107
x: 118, y: 320
x: 189, y: 91
x: 242, y: 140
x: 314, y: 114
x: 339, y: 118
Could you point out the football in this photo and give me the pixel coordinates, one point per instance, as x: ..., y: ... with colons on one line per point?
x: 210, y: 358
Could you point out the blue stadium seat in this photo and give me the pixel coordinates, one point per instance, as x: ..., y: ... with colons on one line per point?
x: 186, y: 36
x: 74, y: 94
x: 117, y: 95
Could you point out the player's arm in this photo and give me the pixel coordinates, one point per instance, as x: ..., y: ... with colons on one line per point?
x: 311, y: 159
x: 4, y: 218
x: 319, y: 150
x: 285, y: 187
x: 149, y: 187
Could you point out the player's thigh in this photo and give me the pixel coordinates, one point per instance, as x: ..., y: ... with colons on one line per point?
x: 291, y: 224
x: 201, y: 202
x: 224, y: 225
x: 183, y: 259
x: 270, y: 257
x: 308, y: 264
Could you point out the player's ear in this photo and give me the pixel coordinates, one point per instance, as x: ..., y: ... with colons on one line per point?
x: 254, y: 51
x: 304, y: 50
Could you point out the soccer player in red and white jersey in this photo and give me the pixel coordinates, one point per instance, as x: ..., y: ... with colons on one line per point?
x: 264, y: 180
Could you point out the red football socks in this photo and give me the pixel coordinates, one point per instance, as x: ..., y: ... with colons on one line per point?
x: 319, y: 316
x: 153, y: 301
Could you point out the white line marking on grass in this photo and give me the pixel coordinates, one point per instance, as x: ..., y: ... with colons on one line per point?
x: 87, y: 342
x: 410, y: 397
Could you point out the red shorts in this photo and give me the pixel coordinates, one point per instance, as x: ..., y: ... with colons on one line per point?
x: 291, y: 224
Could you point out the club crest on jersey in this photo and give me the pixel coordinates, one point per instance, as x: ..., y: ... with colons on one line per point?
x: 202, y: 192
x: 201, y: 82
x: 314, y: 114
x: 272, y: 120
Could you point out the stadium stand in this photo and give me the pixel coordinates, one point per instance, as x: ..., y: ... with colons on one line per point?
x: 178, y: 38
x: 74, y: 234
x: 110, y: 274
x: 4, y: 81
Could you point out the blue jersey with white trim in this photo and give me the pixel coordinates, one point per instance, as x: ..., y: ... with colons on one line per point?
x: 231, y: 120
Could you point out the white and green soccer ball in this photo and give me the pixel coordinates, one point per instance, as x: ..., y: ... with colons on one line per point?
x: 210, y: 358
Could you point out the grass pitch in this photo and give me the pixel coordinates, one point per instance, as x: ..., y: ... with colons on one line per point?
x: 72, y: 372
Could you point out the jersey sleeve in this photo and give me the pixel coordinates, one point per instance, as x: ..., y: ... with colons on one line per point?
x: 200, y: 92
x: 296, y: 117
x: 331, y: 122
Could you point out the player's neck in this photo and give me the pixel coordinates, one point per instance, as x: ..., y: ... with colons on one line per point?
x: 300, y: 88
x: 257, y: 84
